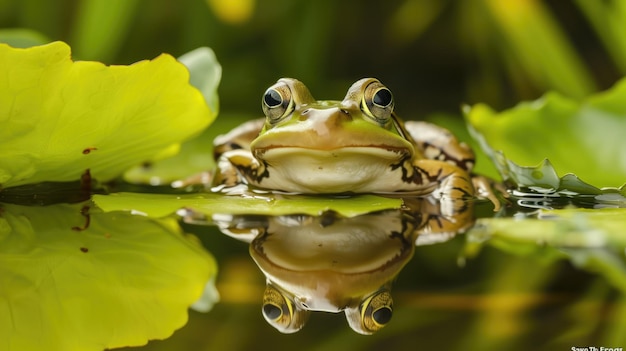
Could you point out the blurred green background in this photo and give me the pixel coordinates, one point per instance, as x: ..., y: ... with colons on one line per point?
x: 434, y: 55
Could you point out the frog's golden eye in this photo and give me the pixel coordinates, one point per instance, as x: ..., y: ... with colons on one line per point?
x: 377, y: 102
x: 281, y: 312
x: 277, y: 102
x: 373, y: 313
x: 376, y: 310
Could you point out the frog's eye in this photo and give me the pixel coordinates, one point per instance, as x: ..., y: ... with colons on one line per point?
x: 277, y: 102
x: 373, y: 314
x: 281, y: 312
x: 377, y: 102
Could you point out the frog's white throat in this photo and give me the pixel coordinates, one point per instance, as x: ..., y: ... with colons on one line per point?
x: 349, y: 169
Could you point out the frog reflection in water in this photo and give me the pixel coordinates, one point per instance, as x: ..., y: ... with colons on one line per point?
x: 337, y: 264
x: 357, y: 145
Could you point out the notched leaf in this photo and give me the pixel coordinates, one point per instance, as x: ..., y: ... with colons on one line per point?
x: 59, y: 117
x: 583, y: 141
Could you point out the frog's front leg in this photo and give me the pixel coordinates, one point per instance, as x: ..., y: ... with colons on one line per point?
x: 236, y: 167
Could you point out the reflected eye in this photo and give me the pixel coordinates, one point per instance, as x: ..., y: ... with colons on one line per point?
x: 272, y: 312
x: 377, y: 102
x: 382, y: 315
x: 280, y: 311
x: 277, y: 102
x: 376, y: 311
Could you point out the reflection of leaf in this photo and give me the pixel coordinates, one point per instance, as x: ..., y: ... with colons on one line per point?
x: 592, y: 239
x: 59, y: 118
x: 157, y: 205
x: 122, y: 281
x: 585, y: 139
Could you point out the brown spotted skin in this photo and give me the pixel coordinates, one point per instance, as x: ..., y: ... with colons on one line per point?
x: 437, y: 143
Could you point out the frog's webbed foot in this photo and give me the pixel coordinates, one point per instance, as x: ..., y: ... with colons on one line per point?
x: 488, y: 188
x: 232, y: 168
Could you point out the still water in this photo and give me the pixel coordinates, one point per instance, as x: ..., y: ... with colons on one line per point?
x: 430, y: 275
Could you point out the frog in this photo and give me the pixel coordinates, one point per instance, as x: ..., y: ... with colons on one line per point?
x: 353, y: 146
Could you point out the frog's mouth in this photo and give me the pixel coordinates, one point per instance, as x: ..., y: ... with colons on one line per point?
x: 384, y: 152
x: 348, y: 169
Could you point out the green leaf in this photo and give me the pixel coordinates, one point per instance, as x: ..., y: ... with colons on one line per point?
x: 159, y: 205
x: 583, y: 138
x: 121, y: 281
x: 195, y: 155
x: 59, y: 118
x: 205, y: 73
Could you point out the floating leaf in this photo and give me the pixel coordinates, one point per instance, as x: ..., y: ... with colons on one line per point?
x: 159, y: 205
x: 582, y: 138
x: 119, y: 281
x: 59, y: 117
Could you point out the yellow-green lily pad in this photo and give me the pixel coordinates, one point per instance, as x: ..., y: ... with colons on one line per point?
x: 77, y: 281
x: 59, y: 118
x: 159, y: 205
x: 584, y: 139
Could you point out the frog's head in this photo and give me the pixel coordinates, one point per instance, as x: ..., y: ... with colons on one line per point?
x: 332, y: 264
x: 326, y: 146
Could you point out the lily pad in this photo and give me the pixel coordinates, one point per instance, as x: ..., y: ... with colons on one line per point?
x: 77, y: 281
x: 59, y: 118
x: 159, y: 205
x: 584, y: 139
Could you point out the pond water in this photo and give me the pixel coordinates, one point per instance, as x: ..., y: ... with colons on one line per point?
x: 457, y: 282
